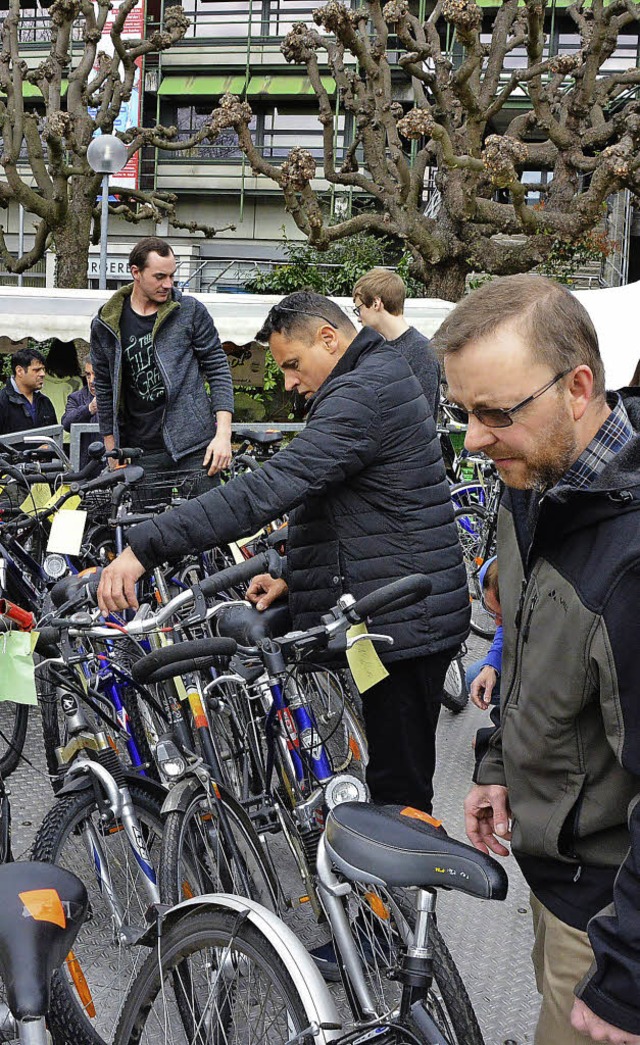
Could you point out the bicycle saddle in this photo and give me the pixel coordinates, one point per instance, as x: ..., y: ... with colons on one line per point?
x: 247, y: 625
x: 256, y: 436
x: 41, y: 910
x: 401, y: 846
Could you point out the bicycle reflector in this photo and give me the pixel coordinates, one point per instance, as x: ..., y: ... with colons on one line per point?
x: 345, y: 788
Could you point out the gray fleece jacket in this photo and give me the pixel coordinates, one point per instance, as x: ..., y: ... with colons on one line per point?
x: 188, y: 353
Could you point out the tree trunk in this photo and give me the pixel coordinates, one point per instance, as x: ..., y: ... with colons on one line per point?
x: 446, y: 281
x: 72, y: 244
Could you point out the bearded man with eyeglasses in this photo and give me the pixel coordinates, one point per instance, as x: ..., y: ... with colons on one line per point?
x: 561, y: 778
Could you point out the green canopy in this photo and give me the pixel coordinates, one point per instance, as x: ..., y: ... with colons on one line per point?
x: 281, y: 86
x: 193, y: 85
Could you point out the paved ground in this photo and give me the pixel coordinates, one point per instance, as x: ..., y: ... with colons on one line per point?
x: 490, y: 941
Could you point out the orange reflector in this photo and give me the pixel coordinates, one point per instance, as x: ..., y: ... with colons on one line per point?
x: 45, y: 906
x: 379, y: 908
x: 304, y: 899
x: 417, y: 814
x: 112, y: 743
x: 115, y: 830
x: 354, y: 748
x: 80, y: 984
x: 478, y: 560
x: 216, y: 790
x: 187, y: 891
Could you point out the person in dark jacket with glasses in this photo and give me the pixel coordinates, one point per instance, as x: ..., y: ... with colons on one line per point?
x: 366, y: 490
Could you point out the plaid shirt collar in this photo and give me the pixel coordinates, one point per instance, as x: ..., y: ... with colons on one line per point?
x: 610, y: 438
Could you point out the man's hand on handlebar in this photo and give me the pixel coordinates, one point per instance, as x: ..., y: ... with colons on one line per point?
x: 117, y: 589
x: 265, y: 589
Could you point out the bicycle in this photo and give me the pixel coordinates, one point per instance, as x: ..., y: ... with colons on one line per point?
x: 226, y: 969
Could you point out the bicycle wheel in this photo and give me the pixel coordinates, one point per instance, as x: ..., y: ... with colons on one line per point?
x: 87, y: 994
x: 338, y: 726
x: 196, y: 858
x: 382, y: 923
x: 455, y: 695
x: 470, y: 523
x: 14, y: 719
x: 220, y: 981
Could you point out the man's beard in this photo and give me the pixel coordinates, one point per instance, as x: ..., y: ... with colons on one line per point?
x: 553, y: 458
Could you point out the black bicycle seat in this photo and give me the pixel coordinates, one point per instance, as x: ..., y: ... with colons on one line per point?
x: 248, y: 626
x: 400, y: 846
x: 41, y: 910
x: 254, y: 435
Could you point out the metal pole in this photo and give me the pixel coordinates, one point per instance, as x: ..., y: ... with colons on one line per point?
x: 20, y: 238
x: 104, y: 222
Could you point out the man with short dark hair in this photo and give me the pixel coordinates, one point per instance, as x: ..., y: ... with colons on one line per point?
x: 378, y: 300
x: 22, y: 404
x: 366, y: 490
x: 152, y: 350
x: 561, y: 777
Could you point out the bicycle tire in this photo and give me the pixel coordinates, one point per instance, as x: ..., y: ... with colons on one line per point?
x: 195, y: 860
x: 470, y: 523
x: 455, y: 695
x: 59, y: 841
x: 382, y: 922
x: 253, y: 1002
x: 14, y: 721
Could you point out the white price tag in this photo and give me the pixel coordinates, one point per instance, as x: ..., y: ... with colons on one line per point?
x: 67, y: 531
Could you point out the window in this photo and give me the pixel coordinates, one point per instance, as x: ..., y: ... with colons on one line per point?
x: 284, y: 128
x: 191, y: 118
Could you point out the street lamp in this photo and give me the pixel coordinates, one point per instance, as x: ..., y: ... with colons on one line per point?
x: 106, y: 155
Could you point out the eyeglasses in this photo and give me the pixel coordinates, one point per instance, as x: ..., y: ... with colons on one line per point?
x: 303, y: 312
x: 497, y: 418
x: 492, y: 613
x: 356, y: 311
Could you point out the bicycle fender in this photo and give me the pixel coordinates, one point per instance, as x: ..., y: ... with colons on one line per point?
x: 73, y: 784
x: 317, y: 999
x: 180, y: 795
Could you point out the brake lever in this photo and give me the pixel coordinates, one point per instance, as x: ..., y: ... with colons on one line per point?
x: 369, y: 636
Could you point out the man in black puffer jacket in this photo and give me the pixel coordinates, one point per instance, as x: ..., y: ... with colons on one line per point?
x: 366, y: 488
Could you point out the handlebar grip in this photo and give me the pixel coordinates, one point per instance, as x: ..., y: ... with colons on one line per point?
x: 394, y: 596
x: 90, y: 471
x: 182, y: 654
x: 266, y: 562
x: 47, y: 642
x: 70, y: 587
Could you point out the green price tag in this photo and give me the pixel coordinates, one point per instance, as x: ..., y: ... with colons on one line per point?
x: 17, y: 680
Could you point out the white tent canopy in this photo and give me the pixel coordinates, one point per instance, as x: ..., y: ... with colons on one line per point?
x: 67, y: 314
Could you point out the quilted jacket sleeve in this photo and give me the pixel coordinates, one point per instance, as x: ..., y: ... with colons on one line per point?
x: 340, y: 438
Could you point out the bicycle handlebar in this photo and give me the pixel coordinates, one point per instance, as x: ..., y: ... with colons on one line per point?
x: 267, y: 562
x: 190, y: 655
x: 394, y: 596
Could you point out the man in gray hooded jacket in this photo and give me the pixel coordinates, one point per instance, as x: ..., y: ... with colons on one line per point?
x: 152, y: 350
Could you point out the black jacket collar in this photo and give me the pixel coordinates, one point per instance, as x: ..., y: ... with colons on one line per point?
x: 362, y: 344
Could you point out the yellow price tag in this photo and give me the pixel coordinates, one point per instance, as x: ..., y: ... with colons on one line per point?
x: 365, y: 664
x: 36, y: 499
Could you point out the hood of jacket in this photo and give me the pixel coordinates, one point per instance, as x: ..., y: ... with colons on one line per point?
x: 111, y: 311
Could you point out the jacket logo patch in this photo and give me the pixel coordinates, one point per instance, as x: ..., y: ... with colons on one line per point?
x: 559, y: 599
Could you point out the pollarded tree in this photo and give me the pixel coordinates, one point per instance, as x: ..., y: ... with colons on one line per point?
x: 44, y: 150
x: 580, y: 124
